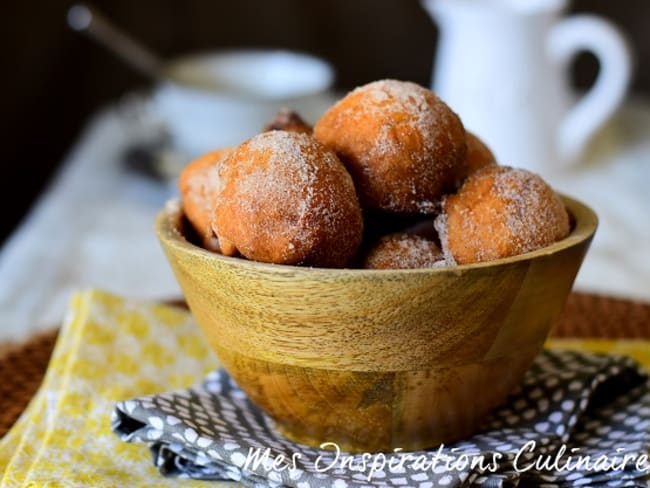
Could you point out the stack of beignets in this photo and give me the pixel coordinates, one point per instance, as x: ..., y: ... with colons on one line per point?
x: 296, y: 196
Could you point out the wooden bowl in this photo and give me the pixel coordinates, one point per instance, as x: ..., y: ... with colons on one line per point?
x: 377, y: 359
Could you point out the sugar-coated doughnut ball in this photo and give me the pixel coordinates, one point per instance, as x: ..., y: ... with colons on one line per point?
x: 199, y: 183
x: 286, y: 199
x: 399, y: 141
x: 478, y: 156
x: 404, y: 251
x: 499, y: 212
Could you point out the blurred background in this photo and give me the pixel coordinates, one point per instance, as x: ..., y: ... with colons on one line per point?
x: 54, y: 79
x: 77, y: 121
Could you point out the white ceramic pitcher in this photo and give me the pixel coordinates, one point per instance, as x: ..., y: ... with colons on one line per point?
x: 502, y: 65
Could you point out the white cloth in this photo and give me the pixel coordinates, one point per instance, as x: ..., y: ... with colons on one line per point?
x: 93, y: 227
x: 615, y: 182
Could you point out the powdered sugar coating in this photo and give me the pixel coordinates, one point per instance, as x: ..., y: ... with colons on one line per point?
x: 399, y: 141
x: 404, y: 251
x: 286, y: 199
x: 501, y: 212
x: 440, y: 225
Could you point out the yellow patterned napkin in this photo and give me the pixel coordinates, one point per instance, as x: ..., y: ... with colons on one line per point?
x: 110, y: 349
x: 637, y: 349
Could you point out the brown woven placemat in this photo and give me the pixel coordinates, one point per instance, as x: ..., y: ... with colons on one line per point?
x: 21, y: 371
x: 22, y: 367
x: 587, y: 315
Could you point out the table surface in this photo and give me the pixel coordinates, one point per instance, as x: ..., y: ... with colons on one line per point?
x: 93, y: 226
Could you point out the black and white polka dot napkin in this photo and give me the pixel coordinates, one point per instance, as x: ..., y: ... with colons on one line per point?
x: 579, y: 419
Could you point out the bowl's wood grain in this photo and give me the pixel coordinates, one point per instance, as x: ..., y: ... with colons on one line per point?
x: 377, y: 359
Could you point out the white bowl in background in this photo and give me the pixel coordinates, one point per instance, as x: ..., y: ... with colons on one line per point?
x: 225, y: 97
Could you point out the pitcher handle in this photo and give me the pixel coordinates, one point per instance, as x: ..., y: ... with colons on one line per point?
x: 591, y: 112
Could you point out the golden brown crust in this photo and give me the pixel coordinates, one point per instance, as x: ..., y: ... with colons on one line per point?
x: 399, y: 141
x: 286, y: 199
x: 404, y: 251
x: 478, y: 156
x: 501, y: 212
x: 198, y: 184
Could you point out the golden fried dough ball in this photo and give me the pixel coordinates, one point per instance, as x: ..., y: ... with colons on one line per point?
x: 404, y: 251
x: 478, y: 156
x: 401, y: 144
x: 500, y: 212
x: 286, y: 199
x: 377, y: 223
x: 199, y: 184
x: 290, y: 121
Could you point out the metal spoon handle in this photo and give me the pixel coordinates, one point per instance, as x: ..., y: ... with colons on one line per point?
x: 85, y: 19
